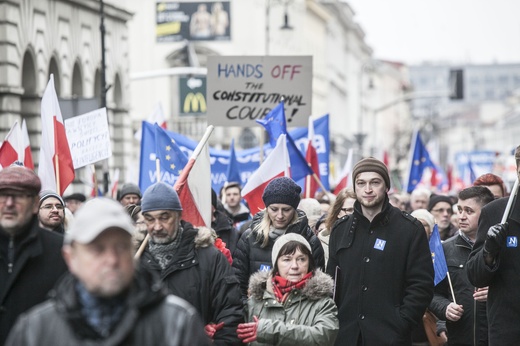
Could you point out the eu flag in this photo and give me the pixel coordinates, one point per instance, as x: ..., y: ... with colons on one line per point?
x: 439, y: 261
x: 233, y: 172
x: 170, y: 156
x: 420, y: 161
x: 275, y: 123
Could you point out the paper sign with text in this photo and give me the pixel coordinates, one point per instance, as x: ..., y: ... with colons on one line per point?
x: 88, y: 137
x: 242, y: 89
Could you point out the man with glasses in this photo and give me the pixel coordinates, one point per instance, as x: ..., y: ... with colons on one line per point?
x: 30, y: 258
x: 188, y: 264
x: 441, y: 207
x: 52, y: 211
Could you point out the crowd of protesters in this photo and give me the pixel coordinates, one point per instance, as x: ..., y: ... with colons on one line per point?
x: 352, y: 269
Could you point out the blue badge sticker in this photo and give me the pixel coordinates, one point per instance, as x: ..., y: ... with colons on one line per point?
x: 265, y: 267
x: 512, y: 241
x: 380, y: 244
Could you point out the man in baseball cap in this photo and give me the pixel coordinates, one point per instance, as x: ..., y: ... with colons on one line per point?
x: 104, y: 300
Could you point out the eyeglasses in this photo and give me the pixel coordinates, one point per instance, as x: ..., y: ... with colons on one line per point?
x: 347, y: 210
x: 442, y: 211
x: 52, y: 206
x: 17, y: 198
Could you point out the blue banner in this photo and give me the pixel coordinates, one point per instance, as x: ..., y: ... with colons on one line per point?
x: 248, y: 160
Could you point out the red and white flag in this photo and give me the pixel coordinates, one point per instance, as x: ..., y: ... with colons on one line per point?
x: 56, y: 169
x: 194, y: 190
x: 276, y: 165
x: 12, y: 147
x: 311, y: 156
x: 27, y: 160
x: 345, y: 175
x: 115, y: 183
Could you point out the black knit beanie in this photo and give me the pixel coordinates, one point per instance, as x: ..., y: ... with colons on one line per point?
x: 371, y: 164
x: 282, y: 190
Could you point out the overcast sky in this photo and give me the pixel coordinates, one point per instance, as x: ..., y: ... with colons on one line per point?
x: 459, y: 31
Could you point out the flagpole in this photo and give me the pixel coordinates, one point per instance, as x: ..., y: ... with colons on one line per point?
x: 512, y: 198
x: 57, y: 168
x: 451, y: 287
x: 158, y: 168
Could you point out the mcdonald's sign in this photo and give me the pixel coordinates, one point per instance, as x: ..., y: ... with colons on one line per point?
x: 192, y: 92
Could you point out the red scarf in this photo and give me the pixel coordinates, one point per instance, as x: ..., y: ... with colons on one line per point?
x: 282, y: 287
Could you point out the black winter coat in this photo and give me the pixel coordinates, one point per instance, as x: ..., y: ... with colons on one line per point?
x: 385, y: 276
x: 37, y: 266
x: 250, y: 256
x: 223, y: 226
x: 201, y: 274
x: 463, y: 331
x: 503, y: 279
x: 150, y: 318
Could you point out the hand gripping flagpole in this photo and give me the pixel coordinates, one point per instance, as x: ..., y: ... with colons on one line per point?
x: 194, y: 156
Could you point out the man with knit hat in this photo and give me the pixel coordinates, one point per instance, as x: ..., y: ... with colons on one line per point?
x: 51, y: 212
x: 281, y: 216
x: 129, y: 194
x: 30, y: 258
x: 441, y: 207
x: 186, y: 261
x: 381, y: 262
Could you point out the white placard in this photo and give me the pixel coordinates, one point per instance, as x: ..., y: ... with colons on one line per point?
x: 242, y: 89
x: 88, y: 137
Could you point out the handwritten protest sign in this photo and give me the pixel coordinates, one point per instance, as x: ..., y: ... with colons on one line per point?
x: 242, y: 89
x: 88, y: 137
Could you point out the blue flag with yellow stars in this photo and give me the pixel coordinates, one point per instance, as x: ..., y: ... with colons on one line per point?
x: 171, y: 157
x: 439, y: 261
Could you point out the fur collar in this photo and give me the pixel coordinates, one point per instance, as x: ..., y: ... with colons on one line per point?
x: 204, y: 238
x: 319, y: 286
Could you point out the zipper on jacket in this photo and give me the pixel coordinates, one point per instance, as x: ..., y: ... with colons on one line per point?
x: 10, y: 255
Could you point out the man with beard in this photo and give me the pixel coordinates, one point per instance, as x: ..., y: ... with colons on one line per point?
x: 380, y: 259
x: 190, y: 266
x: 52, y: 211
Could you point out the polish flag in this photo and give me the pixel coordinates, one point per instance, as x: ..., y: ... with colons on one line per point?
x: 194, y: 190
x: 12, y: 147
x: 56, y: 169
x: 115, y: 183
x: 276, y: 165
x: 27, y: 160
x: 311, y: 156
x: 346, y: 172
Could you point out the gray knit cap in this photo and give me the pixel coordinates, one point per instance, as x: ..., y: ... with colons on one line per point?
x: 160, y: 196
x: 129, y: 188
x: 284, y: 239
x: 282, y: 190
x: 49, y: 193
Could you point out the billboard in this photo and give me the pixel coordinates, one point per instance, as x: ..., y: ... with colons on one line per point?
x: 242, y: 89
x: 192, y: 96
x: 192, y: 21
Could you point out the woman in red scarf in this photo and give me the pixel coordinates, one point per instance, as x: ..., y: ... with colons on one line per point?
x: 292, y: 304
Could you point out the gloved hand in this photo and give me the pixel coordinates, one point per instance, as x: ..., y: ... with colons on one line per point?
x: 495, y: 238
x: 247, y: 331
x: 212, y: 328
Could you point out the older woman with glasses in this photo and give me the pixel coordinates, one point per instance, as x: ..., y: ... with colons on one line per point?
x: 343, y: 206
x: 441, y: 207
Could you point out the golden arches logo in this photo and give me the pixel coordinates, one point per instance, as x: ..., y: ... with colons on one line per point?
x: 194, y: 103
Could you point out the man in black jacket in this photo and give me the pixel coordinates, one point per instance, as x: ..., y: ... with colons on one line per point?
x: 105, y: 301
x: 495, y: 262
x: 466, y: 320
x: 30, y: 257
x: 191, y: 267
x: 380, y: 258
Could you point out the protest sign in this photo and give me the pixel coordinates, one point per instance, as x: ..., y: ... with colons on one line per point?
x: 242, y: 89
x: 88, y: 137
